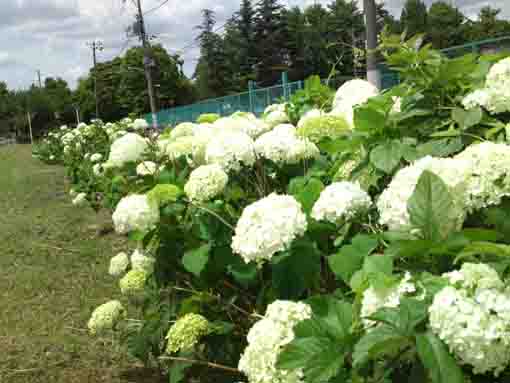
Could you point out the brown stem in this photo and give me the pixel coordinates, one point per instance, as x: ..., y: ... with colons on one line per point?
x: 202, y: 362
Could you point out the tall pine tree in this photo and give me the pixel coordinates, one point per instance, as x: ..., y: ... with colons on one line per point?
x: 270, y: 42
x: 414, y: 17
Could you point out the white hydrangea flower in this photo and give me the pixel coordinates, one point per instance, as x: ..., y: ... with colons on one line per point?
x: 392, y: 203
x: 73, y: 193
x: 267, y: 227
x: 341, y: 201
x: 182, y: 130
x: 133, y: 283
x: 479, y: 97
x: 139, y: 124
x: 96, y: 157
x: 266, y: 339
x: 206, y: 182
x: 489, y: 179
x: 186, y: 332
x: 146, y: 168
x: 182, y: 146
x: 499, y: 73
x: 230, y: 149
x: 63, y: 127
x: 97, y: 169
x: 374, y: 300
x: 80, y: 199
x: 52, y: 157
x: 128, y: 148
x: 312, y: 113
x: 105, y: 317
x: 135, y: 212
x: 276, y: 117
x: 118, y: 265
x: 472, y: 316
x: 352, y: 93
x: 282, y: 146
x: 140, y: 261
x: 86, y: 156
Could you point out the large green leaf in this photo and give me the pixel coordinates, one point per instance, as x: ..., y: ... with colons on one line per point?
x: 195, y: 260
x: 387, y: 156
x: 306, y: 191
x: 369, y: 119
x: 383, y: 340
x: 467, y: 118
x: 296, y: 271
x: 430, y: 205
x: 434, y: 355
x: 320, y: 358
x: 349, y: 258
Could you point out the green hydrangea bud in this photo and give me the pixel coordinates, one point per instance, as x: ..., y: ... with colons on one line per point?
x: 186, y: 332
x: 133, y: 283
x: 105, y: 317
x: 207, y: 118
x: 164, y: 193
x: 318, y: 128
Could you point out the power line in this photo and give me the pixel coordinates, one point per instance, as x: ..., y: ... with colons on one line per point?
x: 156, y: 7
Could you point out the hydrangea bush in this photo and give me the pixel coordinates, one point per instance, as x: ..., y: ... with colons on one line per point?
x: 343, y: 236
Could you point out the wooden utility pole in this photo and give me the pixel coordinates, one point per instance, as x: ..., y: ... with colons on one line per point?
x: 371, y: 32
x: 96, y: 46
x: 29, y: 118
x: 147, y: 64
x: 39, y: 77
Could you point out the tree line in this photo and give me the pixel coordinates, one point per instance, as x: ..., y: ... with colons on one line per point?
x: 257, y: 43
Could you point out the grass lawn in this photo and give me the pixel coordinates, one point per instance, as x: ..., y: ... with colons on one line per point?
x: 53, y: 272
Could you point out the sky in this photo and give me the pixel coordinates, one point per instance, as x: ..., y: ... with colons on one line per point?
x: 52, y: 35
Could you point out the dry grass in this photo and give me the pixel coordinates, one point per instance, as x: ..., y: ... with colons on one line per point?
x: 53, y: 272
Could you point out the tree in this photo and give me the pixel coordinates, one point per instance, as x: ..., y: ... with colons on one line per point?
x: 270, y: 38
x: 296, y: 40
x: 444, y: 25
x: 245, y: 26
x: 414, y: 17
x: 488, y: 25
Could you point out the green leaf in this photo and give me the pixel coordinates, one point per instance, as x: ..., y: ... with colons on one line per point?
x: 467, y: 118
x: 404, y: 318
x: 243, y: 273
x: 195, y: 260
x: 434, y: 355
x: 320, y: 358
x: 349, y: 258
x: 386, y: 157
x: 297, y: 271
x: 335, y: 316
x: 307, y: 192
x: 430, y: 205
x: 383, y: 340
x: 369, y: 119
x: 440, y: 148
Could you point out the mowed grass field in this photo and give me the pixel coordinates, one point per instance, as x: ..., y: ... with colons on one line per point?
x: 53, y: 273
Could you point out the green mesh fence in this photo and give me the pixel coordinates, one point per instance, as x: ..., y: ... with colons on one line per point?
x: 257, y: 100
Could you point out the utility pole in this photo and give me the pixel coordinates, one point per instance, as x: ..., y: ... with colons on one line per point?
x: 39, y: 77
x: 147, y: 64
x: 96, y: 46
x: 371, y: 31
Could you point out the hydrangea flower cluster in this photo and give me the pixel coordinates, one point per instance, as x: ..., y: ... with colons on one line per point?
x: 312, y: 113
x: 186, y: 332
x: 266, y: 339
x: 318, y: 128
x: 495, y: 96
x: 135, y: 212
x: 275, y: 115
x: 206, y: 182
x: 282, y: 146
x: 139, y: 124
x: 146, y: 168
x: 105, y: 317
x: 118, y: 265
x: 182, y: 130
x: 392, y: 203
x: 374, y: 300
x: 207, y: 118
x: 133, y: 283
x: 162, y: 194
x: 472, y: 316
x: 96, y: 157
x: 182, y: 146
x: 267, y: 227
x: 489, y: 179
x: 128, y: 148
x: 140, y: 261
x: 230, y: 149
x: 350, y: 94
x: 341, y: 201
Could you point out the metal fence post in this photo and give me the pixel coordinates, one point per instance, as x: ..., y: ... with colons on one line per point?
x: 251, y: 86
x: 285, y: 82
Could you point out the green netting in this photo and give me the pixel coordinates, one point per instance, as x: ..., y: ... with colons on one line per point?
x: 258, y: 99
